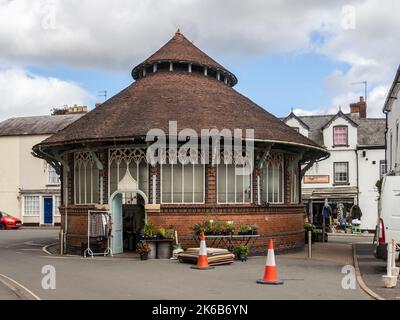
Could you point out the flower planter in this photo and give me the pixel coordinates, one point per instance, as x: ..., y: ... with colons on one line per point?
x: 164, y: 249
x: 153, y: 248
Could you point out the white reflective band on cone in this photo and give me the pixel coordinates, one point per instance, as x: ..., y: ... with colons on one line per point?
x: 271, y: 258
x: 203, y: 248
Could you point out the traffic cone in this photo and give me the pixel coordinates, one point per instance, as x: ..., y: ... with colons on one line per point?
x: 270, y: 275
x: 202, y: 262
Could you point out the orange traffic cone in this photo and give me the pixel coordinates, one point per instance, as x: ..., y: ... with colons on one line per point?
x: 202, y: 262
x: 271, y: 275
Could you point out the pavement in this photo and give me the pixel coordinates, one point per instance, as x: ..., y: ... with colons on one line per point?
x: 22, y: 259
x: 6, y: 293
x: 372, y: 270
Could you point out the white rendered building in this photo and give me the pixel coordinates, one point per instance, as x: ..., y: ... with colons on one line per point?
x: 357, y: 161
x: 29, y: 187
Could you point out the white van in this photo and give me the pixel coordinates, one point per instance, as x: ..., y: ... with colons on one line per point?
x: 389, y: 215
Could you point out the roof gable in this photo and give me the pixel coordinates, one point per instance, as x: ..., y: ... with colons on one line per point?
x: 293, y: 116
x: 340, y: 114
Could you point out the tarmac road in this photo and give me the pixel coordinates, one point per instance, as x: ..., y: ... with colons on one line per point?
x: 22, y: 259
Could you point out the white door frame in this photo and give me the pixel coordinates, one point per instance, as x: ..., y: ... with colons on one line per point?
x: 140, y: 192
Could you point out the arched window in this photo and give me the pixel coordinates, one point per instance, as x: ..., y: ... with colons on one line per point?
x: 123, y: 160
x: 234, y: 184
x: 294, y: 186
x: 273, y: 179
x: 87, y: 184
x: 182, y: 183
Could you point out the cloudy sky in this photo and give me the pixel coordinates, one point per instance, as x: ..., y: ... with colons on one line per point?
x: 301, y: 54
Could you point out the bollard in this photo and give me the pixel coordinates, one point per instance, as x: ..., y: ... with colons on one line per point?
x: 390, y: 280
x: 395, y: 270
x: 62, y: 242
x: 309, y: 245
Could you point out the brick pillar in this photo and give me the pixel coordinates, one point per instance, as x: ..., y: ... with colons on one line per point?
x: 211, y: 184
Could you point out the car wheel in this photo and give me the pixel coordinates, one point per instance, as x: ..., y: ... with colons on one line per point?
x: 2, y: 226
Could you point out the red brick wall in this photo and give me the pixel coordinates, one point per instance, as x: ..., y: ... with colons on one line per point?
x: 285, y: 224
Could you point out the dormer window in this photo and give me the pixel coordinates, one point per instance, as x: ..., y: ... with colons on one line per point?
x: 297, y: 129
x: 340, y: 136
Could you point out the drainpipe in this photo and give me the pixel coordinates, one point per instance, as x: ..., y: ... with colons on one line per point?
x: 386, y: 132
x: 358, y: 179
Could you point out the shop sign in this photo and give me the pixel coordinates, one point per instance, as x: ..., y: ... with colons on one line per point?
x: 316, y: 179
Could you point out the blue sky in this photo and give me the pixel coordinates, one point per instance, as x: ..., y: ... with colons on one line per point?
x: 277, y: 82
x: 301, y: 54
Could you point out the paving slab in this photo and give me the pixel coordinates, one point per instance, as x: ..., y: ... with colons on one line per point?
x: 372, y: 270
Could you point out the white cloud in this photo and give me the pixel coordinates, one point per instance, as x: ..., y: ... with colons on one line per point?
x: 119, y: 34
x: 24, y: 94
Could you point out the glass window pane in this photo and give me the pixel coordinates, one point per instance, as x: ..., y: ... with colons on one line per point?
x: 133, y: 170
x: 231, y: 183
x: 166, y: 183
x: 247, y: 187
x: 96, y: 185
x: 221, y: 183
x: 143, y: 177
x: 270, y: 186
x: 276, y: 184
x: 177, y: 184
x: 264, y: 183
x: 113, y: 178
x: 280, y: 184
x: 88, y: 183
x: 199, y: 183
x: 239, y: 188
x: 188, y: 183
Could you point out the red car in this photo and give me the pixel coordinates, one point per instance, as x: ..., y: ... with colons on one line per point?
x: 9, y: 222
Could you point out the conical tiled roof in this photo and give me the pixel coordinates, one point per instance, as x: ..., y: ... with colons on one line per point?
x: 192, y: 99
x: 180, y: 49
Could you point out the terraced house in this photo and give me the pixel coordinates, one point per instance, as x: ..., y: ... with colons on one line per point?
x: 357, y: 147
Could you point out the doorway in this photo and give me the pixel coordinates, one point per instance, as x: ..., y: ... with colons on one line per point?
x: 48, y: 210
x: 128, y: 217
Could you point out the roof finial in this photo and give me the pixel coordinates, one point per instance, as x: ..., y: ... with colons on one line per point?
x: 292, y: 110
x: 178, y: 32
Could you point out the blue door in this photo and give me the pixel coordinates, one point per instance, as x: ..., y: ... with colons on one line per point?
x: 117, y: 245
x: 48, y: 211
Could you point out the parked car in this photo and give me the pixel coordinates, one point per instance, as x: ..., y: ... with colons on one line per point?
x: 9, y: 222
x: 389, y: 215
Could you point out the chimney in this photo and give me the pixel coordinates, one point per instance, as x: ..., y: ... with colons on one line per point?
x: 360, y: 108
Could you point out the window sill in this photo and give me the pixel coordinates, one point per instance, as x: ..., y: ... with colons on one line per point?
x: 340, y: 146
x: 341, y: 184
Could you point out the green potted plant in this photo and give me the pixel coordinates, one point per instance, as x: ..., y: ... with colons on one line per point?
x: 244, y: 230
x: 148, y: 231
x: 241, y: 252
x: 254, y: 229
x: 217, y: 228
x: 149, y: 235
x: 170, y: 234
x: 164, y: 243
x: 143, y: 249
x: 228, y: 228
x: 161, y: 233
